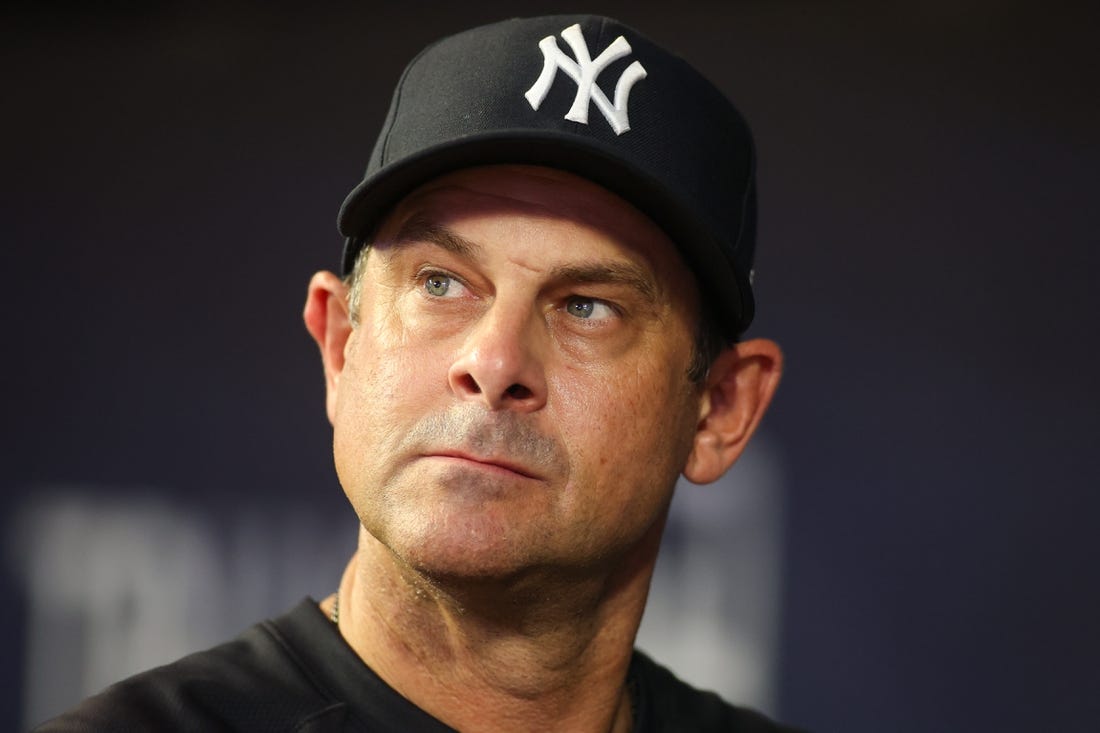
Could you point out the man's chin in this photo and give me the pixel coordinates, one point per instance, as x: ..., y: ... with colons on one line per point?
x: 471, y: 575
x: 474, y: 551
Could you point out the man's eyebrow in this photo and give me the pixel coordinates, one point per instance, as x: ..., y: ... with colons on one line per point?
x: 421, y: 228
x: 614, y: 273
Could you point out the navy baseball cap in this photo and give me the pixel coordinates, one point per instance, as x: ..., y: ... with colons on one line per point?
x: 590, y: 96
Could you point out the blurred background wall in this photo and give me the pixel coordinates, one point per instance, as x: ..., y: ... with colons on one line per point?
x: 912, y: 545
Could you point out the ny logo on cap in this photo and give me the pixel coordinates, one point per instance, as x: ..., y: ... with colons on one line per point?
x: 584, y: 72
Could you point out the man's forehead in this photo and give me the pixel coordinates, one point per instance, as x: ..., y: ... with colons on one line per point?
x: 533, y: 192
x: 591, y: 234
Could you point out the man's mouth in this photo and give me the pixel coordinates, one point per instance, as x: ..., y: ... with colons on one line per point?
x: 489, y: 462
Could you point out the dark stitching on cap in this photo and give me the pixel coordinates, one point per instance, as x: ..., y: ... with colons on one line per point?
x: 747, y: 307
x: 745, y: 198
x: 397, y: 96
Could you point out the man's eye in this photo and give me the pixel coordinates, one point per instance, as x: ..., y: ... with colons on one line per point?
x: 439, y: 285
x: 588, y: 308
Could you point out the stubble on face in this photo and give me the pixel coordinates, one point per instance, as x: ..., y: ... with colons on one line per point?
x: 410, y: 453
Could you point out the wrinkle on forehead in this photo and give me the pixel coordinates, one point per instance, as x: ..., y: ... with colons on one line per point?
x: 538, y: 192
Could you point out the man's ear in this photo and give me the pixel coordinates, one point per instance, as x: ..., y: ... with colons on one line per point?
x: 329, y: 323
x: 739, y: 388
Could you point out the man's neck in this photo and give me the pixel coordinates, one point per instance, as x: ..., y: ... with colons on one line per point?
x: 536, y: 651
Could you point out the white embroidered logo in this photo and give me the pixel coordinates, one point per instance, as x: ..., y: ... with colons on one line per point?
x: 584, y: 72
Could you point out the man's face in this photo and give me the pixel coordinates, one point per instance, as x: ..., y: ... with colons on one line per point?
x: 516, y: 392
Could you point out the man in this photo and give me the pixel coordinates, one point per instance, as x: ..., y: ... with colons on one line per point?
x: 546, y: 272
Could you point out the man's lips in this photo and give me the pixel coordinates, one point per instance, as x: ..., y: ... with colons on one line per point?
x: 490, y: 462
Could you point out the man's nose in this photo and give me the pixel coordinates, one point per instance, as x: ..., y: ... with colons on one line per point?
x: 499, y: 364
